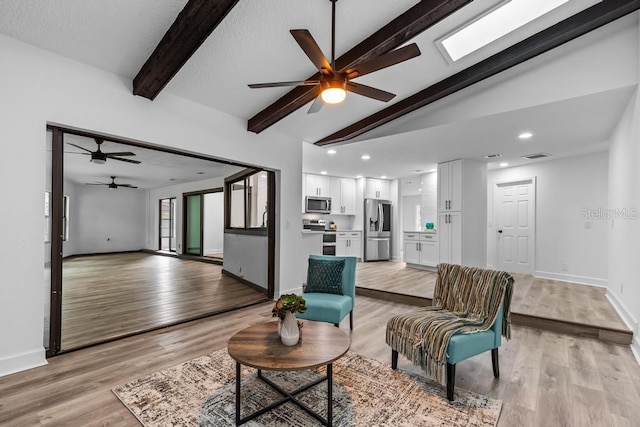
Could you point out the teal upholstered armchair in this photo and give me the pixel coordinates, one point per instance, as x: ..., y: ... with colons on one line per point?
x: 471, y: 313
x: 331, y: 289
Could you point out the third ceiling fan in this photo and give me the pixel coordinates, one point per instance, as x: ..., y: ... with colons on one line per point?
x: 335, y: 83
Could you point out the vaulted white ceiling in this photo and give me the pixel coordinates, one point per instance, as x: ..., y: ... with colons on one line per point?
x: 253, y: 45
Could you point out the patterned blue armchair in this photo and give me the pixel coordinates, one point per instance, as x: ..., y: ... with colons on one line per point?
x: 330, y: 293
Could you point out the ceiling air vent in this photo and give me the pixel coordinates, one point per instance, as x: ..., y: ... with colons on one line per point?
x: 492, y: 156
x: 536, y: 156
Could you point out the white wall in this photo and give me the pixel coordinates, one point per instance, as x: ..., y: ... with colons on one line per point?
x: 107, y: 220
x: 77, y: 95
x: 246, y: 256
x: 71, y: 245
x: 624, y: 227
x: 213, y: 232
x: 564, y: 188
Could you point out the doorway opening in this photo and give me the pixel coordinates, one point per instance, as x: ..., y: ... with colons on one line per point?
x: 204, y: 223
x: 167, y: 223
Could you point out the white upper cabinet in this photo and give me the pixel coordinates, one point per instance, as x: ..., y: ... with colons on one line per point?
x: 343, y: 196
x: 450, y: 186
x: 317, y: 185
x: 377, y: 189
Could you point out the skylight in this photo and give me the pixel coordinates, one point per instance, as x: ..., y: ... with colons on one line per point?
x: 497, y: 23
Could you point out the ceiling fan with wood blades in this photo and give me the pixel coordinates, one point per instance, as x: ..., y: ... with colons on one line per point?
x: 112, y: 184
x: 333, y: 83
x: 100, y: 157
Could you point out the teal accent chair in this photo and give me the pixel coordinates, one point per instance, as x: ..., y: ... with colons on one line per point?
x: 332, y: 308
x: 464, y: 346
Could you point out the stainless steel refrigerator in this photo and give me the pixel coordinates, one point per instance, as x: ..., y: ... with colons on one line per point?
x: 377, y: 230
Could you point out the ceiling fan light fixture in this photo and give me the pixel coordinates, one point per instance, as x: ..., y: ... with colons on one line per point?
x: 99, y: 161
x: 334, y: 92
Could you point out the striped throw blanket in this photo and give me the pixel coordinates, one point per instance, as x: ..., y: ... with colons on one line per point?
x: 465, y: 300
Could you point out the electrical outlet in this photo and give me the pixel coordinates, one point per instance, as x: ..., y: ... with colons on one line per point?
x: 565, y: 266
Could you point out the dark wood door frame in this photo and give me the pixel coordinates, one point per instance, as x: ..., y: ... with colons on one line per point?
x: 57, y: 205
x: 185, y: 196
x: 171, y: 221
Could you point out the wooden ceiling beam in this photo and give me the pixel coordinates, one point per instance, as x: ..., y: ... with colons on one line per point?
x: 191, y: 28
x: 583, y: 22
x: 401, y: 29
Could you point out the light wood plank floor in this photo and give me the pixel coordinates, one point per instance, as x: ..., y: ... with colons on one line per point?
x: 107, y: 296
x: 546, y: 379
x: 551, y: 299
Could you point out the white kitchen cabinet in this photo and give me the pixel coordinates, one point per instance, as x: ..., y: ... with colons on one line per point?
x: 377, y: 189
x: 421, y: 249
x: 462, y: 212
x: 450, y: 239
x: 317, y: 185
x: 450, y: 186
x: 343, y: 196
x: 349, y: 243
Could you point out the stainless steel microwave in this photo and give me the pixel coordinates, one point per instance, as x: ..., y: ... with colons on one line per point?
x: 317, y: 204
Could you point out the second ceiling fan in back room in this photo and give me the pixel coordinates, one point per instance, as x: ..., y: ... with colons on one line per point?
x: 334, y: 83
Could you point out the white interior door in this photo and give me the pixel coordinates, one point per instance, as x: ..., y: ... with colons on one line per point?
x: 514, y: 220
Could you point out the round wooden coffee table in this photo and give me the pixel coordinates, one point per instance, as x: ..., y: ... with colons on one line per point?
x: 259, y: 346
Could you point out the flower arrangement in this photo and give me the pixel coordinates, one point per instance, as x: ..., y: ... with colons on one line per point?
x: 288, y: 303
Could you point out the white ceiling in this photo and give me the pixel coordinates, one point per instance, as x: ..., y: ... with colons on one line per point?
x: 253, y: 45
x: 157, y: 168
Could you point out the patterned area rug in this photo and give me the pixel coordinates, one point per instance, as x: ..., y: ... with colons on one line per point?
x: 201, y: 392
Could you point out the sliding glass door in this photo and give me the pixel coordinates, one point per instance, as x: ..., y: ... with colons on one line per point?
x: 168, y: 224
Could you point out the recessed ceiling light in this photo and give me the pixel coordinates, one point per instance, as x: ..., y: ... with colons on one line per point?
x: 383, y: 177
x: 492, y: 156
x: 323, y: 172
x: 504, y: 164
x: 525, y: 135
x: 200, y: 173
x: 508, y: 17
x: 419, y: 189
x: 358, y: 176
x: 172, y: 179
x: 365, y: 157
x: 332, y: 151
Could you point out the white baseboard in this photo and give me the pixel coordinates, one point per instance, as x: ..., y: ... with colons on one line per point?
x: 624, y: 312
x: 635, y: 348
x: 593, y: 281
x: 22, y: 362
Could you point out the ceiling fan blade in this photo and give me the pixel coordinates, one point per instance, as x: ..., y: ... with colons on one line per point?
x: 370, y: 92
x: 125, y: 160
x: 383, y: 61
x: 316, y: 105
x: 122, y: 153
x: 77, y: 146
x: 311, y: 49
x: 126, y: 185
x: 98, y: 183
x: 281, y: 84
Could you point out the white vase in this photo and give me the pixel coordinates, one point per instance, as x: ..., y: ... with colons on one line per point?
x: 289, y: 332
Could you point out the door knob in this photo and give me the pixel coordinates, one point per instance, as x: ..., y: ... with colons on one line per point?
x: 500, y: 231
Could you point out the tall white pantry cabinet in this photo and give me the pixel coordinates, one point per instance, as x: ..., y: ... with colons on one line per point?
x: 462, y: 212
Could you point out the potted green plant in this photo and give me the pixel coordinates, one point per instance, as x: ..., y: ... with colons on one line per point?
x: 285, y: 309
